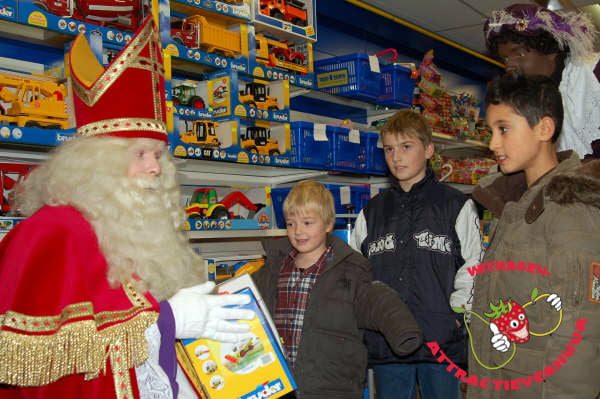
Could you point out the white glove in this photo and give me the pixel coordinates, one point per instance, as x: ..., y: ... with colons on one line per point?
x: 500, y: 341
x: 198, y: 314
x: 554, y: 301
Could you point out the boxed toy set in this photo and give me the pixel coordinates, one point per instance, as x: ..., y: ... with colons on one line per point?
x: 113, y: 22
x: 295, y: 17
x: 196, y: 35
x: 251, y: 368
x: 226, y: 208
x: 275, y: 56
x: 35, y: 106
x: 225, y: 267
x: 232, y: 139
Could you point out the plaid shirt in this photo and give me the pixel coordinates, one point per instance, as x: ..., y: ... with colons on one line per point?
x: 293, y: 291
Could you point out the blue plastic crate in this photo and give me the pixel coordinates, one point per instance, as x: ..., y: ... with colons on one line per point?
x: 349, y: 150
x: 376, y: 164
x: 306, y: 151
x: 359, y: 196
x: 397, y: 86
x: 348, y: 75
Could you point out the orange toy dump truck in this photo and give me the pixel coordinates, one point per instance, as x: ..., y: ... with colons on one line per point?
x: 196, y: 32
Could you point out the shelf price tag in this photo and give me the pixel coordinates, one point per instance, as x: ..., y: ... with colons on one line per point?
x: 354, y: 136
x: 345, y: 195
x: 319, y: 132
x: 374, y: 63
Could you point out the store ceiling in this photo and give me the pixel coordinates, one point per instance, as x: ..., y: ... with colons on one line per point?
x: 462, y: 20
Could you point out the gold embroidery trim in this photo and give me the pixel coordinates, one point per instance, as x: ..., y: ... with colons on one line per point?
x: 122, y: 125
x: 78, y: 347
x: 129, y: 58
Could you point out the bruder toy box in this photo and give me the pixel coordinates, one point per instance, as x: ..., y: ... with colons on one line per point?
x: 249, y: 369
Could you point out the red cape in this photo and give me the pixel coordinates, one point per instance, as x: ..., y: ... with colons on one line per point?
x: 64, y: 332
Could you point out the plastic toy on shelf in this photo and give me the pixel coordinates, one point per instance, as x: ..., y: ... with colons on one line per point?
x: 257, y: 95
x: 10, y: 175
x: 258, y: 140
x: 204, y: 204
x: 32, y: 101
x: 121, y: 14
x: 293, y: 11
x: 279, y: 54
x: 201, y: 134
x: 196, y: 32
x: 185, y: 94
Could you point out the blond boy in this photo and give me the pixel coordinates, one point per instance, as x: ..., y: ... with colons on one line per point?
x: 322, y: 296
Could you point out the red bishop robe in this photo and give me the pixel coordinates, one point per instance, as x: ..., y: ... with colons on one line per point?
x: 64, y: 332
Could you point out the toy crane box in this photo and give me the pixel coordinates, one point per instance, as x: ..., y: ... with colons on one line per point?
x: 251, y: 368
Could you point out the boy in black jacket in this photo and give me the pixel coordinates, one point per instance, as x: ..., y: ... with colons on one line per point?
x: 420, y: 236
x: 321, y: 295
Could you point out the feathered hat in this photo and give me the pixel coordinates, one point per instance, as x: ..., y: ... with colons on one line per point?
x: 127, y: 99
x: 573, y: 30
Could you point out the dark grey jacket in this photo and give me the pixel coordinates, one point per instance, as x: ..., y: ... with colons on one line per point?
x: 332, y: 358
x: 554, y: 223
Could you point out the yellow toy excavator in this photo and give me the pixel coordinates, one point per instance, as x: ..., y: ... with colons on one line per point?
x: 33, y: 101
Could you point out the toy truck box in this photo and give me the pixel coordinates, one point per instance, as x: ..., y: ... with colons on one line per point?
x: 255, y: 367
x: 239, y: 140
x: 275, y: 58
x: 230, y: 94
x: 233, y: 8
x: 34, y: 102
x: 205, y: 38
x: 227, y: 208
x: 8, y: 10
x: 292, y: 17
x: 190, y: 95
x: 221, y: 268
x: 114, y: 21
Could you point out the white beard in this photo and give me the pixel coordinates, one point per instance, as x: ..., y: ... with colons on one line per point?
x: 139, y: 231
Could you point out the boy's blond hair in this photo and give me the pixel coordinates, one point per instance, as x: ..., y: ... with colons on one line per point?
x: 409, y: 123
x: 310, y: 195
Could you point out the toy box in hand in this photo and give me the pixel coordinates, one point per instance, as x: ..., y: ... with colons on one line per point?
x: 251, y: 368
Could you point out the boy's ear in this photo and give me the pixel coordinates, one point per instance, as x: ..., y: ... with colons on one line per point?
x: 545, y: 128
x: 330, y: 227
x: 429, y: 150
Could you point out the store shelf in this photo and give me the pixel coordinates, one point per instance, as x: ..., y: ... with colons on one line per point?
x: 234, y: 234
x: 33, y: 34
x: 194, y: 172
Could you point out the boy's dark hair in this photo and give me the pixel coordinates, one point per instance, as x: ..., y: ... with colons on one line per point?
x: 532, y: 97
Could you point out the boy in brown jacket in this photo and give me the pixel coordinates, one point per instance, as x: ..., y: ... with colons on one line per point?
x: 535, y: 323
x: 321, y: 295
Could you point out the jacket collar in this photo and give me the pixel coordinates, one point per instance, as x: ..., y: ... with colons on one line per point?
x: 282, y: 247
x: 418, y: 186
x: 567, y: 183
